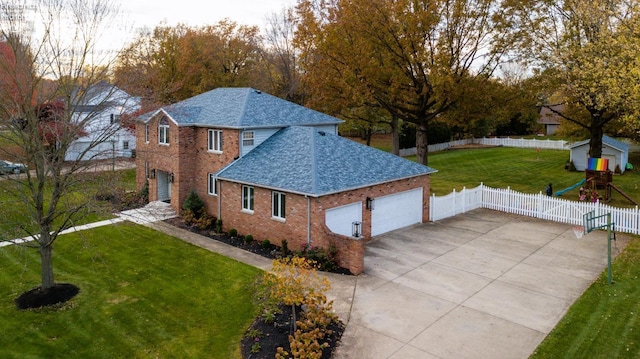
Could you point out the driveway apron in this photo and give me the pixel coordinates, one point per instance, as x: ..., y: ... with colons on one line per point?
x: 479, y: 285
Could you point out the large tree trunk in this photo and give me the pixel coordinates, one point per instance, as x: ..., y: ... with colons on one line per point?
x: 422, y: 144
x: 395, y: 136
x: 595, y: 144
x: 46, y: 262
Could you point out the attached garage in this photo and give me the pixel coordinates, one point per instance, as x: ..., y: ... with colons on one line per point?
x: 340, y: 219
x: 396, y: 211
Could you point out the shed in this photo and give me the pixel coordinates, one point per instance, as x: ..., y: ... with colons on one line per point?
x: 615, y: 151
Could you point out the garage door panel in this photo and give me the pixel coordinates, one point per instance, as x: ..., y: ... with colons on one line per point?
x: 396, y: 211
x: 340, y: 219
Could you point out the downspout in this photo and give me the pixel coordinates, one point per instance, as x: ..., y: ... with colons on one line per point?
x: 308, y: 221
x: 219, y: 192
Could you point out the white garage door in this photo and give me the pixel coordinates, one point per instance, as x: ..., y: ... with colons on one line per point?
x: 396, y: 211
x: 340, y: 219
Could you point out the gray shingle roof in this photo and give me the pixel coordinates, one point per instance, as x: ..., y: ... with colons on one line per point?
x: 308, y: 161
x: 609, y: 141
x: 241, y: 108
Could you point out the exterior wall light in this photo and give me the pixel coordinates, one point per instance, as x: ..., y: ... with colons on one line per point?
x: 369, y: 203
x: 356, y: 229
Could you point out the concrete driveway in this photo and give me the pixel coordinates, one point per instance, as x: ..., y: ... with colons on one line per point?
x: 479, y: 285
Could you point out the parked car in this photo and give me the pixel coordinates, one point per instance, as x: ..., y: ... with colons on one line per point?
x: 10, y: 167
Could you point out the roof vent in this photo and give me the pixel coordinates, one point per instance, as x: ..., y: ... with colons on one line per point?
x: 322, y: 133
x: 258, y: 91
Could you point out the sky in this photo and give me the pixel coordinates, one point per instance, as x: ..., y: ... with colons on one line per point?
x: 150, y: 13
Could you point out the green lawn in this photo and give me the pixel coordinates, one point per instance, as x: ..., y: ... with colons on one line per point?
x: 142, y: 295
x: 604, y: 321
x: 524, y: 170
x: 15, y: 215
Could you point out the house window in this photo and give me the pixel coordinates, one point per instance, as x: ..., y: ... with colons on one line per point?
x: 247, y: 138
x: 146, y: 170
x: 212, y: 184
x: 163, y: 132
x: 278, y: 204
x: 215, y: 141
x: 146, y: 133
x: 125, y: 145
x: 247, y: 198
x: 115, y: 119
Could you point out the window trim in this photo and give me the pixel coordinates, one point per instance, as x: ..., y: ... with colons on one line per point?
x: 212, y: 184
x: 248, y: 199
x: 214, y: 141
x: 278, y: 205
x: 246, y: 139
x: 163, y: 133
x: 146, y: 133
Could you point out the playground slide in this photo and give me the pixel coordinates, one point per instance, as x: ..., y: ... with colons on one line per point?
x: 623, y: 194
x: 563, y: 191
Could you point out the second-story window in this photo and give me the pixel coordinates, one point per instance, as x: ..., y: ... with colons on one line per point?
x: 146, y: 133
x: 247, y: 138
x: 163, y: 132
x: 215, y: 141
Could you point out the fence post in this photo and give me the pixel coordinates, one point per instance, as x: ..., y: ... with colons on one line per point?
x: 432, y: 199
x: 464, y: 199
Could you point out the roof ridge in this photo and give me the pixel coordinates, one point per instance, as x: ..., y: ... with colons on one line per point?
x: 245, y: 105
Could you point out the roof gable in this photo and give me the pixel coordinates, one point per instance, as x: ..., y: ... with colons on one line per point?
x: 309, y: 161
x: 241, y: 108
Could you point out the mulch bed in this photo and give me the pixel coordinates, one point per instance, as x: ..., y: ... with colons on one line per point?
x: 276, y: 334
x: 270, y: 251
x: 38, y: 297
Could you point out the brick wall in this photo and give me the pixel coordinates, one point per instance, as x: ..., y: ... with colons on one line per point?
x: 261, y: 226
x: 187, y: 157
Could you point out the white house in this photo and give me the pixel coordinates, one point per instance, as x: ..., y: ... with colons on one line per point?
x: 615, y: 151
x: 106, y: 136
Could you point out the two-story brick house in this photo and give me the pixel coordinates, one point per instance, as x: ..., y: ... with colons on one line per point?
x: 278, y: 171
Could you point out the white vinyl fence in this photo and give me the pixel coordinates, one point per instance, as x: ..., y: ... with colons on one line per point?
x: 531, y: 205
x: 506, y: 142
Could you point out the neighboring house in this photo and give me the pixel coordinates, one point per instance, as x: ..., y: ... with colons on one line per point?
x: 615, y: 151
x: 550, y: 119
x: 105, y: 134
x: 278, y: 171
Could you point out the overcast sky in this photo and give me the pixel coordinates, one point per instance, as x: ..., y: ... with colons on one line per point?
x: 200, y: 12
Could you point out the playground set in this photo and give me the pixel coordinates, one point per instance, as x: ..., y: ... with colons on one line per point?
x: 597, y: 184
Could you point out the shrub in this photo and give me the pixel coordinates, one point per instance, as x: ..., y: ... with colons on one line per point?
x: 265, y: 243
x: 248, y: 238
x: 218, y: 226
x: 233, y: 232
x: 284, y: 248
x: 324, y: 260
x: 188, y: 217
x: 144, y: 192
x: 194, y: 204
x: 204, y: 222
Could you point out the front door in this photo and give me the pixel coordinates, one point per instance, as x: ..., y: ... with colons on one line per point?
x: 164, y: 186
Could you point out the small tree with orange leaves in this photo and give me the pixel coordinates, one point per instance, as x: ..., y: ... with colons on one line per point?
x: 295, y: 281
